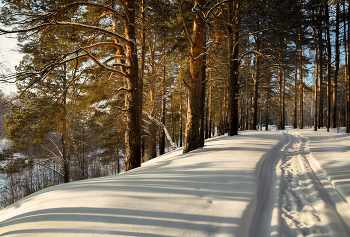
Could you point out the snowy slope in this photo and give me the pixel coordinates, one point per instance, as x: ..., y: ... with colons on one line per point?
x: 280, y: 183
x: 208, y: 192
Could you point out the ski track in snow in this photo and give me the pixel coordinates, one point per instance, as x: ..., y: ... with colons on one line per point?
x: 304, y: 206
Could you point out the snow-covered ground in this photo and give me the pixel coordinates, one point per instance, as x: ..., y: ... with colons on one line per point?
x: 256, y: 184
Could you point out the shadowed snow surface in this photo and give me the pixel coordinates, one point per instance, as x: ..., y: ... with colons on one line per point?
x: 208, y: 192
x: 255, y: 184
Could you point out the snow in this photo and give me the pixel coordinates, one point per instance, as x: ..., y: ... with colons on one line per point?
x: 260, y: 183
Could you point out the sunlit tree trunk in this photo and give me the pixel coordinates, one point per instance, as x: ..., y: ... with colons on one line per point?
x: 195, y: 85
x: 133, y: 96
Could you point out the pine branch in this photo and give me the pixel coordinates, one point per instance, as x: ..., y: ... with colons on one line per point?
x: 90, y: 4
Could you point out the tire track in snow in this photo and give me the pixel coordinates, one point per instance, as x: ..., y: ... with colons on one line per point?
x: 304, y: 206
x: 266, y: 197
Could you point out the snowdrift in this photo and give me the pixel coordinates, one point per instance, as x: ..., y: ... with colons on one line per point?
x: 210, y: 191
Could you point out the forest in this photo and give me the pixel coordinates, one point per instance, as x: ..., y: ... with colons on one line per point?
x: 106, y: 85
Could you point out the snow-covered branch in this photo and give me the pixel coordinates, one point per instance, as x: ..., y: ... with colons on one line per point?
x: 172, y: 144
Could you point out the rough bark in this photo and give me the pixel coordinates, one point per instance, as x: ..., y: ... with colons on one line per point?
x: 195, y: 85
x: 132, y: 95
x: 233, y: 46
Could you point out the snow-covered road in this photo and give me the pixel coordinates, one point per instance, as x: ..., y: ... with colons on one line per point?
x: 255, y: 184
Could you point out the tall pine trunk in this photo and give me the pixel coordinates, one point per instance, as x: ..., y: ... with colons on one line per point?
x: 347, y: 66
x: 233, y: 47
x: 202, y: 104
x: 133, y: 95
x: 246, y: 94
x: 320, y: 85
x: 195, y: 85
x: 152, y: 98
x: 256, y: 81
x: 181, y: 114
x: 295, y: 124
x: 211, y: 129
x: 329, y: 57
x: 283, y: 102
x: 162, y: 137
x: 316, y: 71
x: 267, y: 105
x: 280, y: 98
x: 66, y: 177
x: 301, y: 89
x: 336, y: 69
